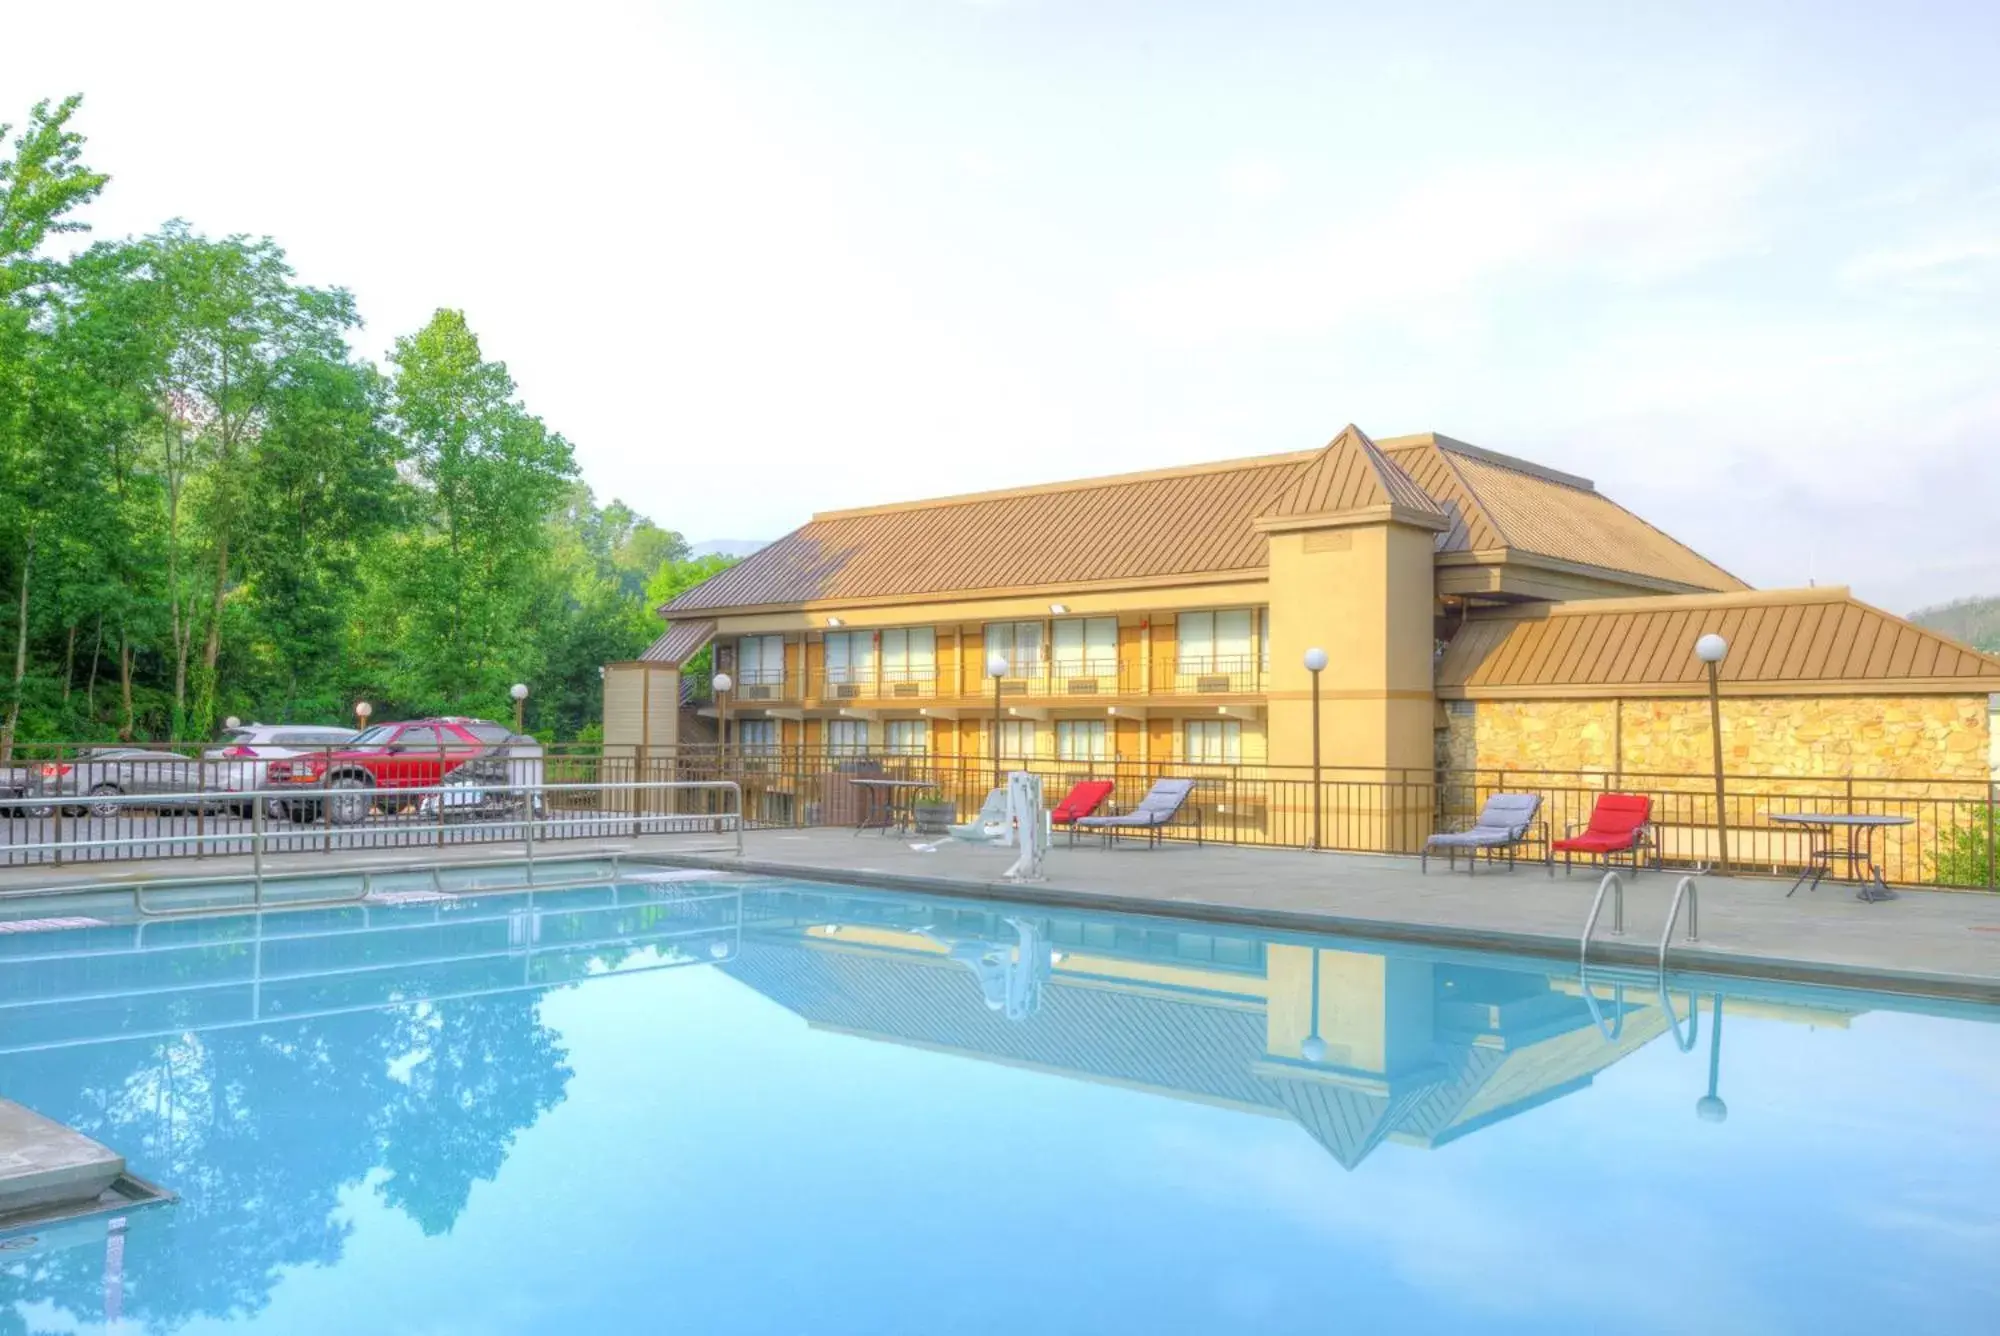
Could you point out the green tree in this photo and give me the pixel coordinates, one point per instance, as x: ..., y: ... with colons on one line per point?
x: 489, y: 474
x: 42, y: 184
x: 320, y: 489
x: 233, y: 329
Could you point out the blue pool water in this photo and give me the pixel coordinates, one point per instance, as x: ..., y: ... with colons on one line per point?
x: 748, y: 1106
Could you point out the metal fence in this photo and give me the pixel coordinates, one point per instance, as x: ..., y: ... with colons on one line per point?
x: 57, y: 802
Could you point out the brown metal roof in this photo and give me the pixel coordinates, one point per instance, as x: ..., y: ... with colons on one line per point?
x: 1182, y: 522
x: 1351, y: 474
x: 1808, y: 641
x: 680, y: 642
x: 1195, y: 522
x: 1502, y: 504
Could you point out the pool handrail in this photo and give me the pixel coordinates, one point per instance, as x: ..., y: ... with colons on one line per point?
x: 1616, y: 884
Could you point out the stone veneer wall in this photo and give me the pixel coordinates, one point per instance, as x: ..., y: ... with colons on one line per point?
x: 1933, y: 755
x: 1876, y: 737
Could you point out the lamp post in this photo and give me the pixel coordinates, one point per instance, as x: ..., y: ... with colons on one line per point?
x: 722, y: 683
x: 362, y: 709
x: 1313, y: 1049
x: 1316, y: 664
x: 996, y: 668
x: 1711, y: 649
x: 519, y: 691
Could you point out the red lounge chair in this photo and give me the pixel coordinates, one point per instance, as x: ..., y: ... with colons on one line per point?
x: 1083, y: 799
x: 1619, y: 823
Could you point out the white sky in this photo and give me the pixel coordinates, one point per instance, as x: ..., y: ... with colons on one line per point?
x: 1741, y: 266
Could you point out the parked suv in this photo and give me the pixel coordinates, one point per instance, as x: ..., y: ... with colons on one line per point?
x: 415, y: 754
x: 244, y: 753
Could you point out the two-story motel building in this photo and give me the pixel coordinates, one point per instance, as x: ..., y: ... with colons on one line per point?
x: 1150, y: 617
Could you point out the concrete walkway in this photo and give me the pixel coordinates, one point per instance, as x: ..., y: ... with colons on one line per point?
x: 1934, y: 943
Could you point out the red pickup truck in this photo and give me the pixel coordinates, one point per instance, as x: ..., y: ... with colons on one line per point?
x: 416, y: 753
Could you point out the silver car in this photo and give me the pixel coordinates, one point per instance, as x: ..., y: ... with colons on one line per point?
x: 95, y: 779
x: 238, y: 761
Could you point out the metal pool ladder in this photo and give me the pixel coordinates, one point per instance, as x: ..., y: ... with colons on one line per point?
x: 1688, y: 891
x: 1615, y: 884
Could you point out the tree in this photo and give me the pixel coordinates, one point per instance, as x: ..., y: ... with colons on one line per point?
x: 41, y: 185
x: 320, y: 488
x: 489, y: 474
x: 234, y: 329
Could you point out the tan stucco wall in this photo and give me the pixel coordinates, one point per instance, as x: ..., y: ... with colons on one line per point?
x: 1877, y: 737
x: 1362, y: 594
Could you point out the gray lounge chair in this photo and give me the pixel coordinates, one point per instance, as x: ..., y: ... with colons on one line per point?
x: 990, y: 824
x: 1505, y: 822
x: 1162, y: 803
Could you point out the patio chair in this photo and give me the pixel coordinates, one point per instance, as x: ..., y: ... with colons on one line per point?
x: 1083, y: 799
x: 991, y: 823
x: 1162, y: 803
x: 1505, y: 822
x: 1619, y: 823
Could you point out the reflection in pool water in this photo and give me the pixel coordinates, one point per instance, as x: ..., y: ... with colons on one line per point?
x: 752, y: 1106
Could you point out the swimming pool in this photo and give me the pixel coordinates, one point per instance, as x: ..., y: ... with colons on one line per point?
x: 732, y: 1105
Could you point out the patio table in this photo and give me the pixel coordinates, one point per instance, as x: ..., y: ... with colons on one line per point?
x: 1822, y: 852
x: 885, y: 803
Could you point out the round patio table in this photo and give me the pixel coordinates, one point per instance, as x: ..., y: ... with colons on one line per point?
x: 885, y: 803
x: 1822, y: 853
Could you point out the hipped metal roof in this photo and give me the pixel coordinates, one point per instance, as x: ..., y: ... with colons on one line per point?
x: 1782, y: 641
x: 1198, y: 522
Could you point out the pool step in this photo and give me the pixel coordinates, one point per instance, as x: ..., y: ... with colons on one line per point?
x: 45, y: 1164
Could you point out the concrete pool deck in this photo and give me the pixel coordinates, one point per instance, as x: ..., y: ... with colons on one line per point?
x: 1932, y: 943
x: 1929, y: 943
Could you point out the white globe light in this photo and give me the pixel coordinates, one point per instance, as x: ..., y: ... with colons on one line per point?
x: 996, y: 664
x: 519, y: 691
x: 232, y: 722
x: 723, y: 681
x: 363, y: 708
x: 1313, y: 1049
x: 1710, y: 648
x: 1315, y: 660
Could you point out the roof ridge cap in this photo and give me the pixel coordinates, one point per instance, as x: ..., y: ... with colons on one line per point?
x: 1244, y: 462
x: 1513, y: 463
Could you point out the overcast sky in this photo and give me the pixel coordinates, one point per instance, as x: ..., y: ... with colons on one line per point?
x: 755, y: 259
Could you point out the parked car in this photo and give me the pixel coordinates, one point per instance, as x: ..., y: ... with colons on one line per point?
x: 98, y: 776
x: 244, y: 753
x: 413, y: 754
x: 13, y: 786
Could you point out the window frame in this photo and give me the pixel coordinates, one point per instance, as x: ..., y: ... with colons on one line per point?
x: 1226, y: 735
x: 762, y: 674
x: 892, y: 729
x: 757, y: 737
x: 1099, y: 730
x: 907, y: 635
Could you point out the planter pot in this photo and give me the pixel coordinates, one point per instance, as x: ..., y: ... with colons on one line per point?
x: 934, y: 818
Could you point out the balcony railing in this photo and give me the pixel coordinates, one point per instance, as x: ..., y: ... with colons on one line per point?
x: 885, y: 686
x: 1169, y: 675
x: 1067, y: 679
x: 764, y: 686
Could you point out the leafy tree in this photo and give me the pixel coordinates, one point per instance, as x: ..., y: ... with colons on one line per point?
x: 209, y: 504
x: 488, y: 475
x: 42, y: 184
